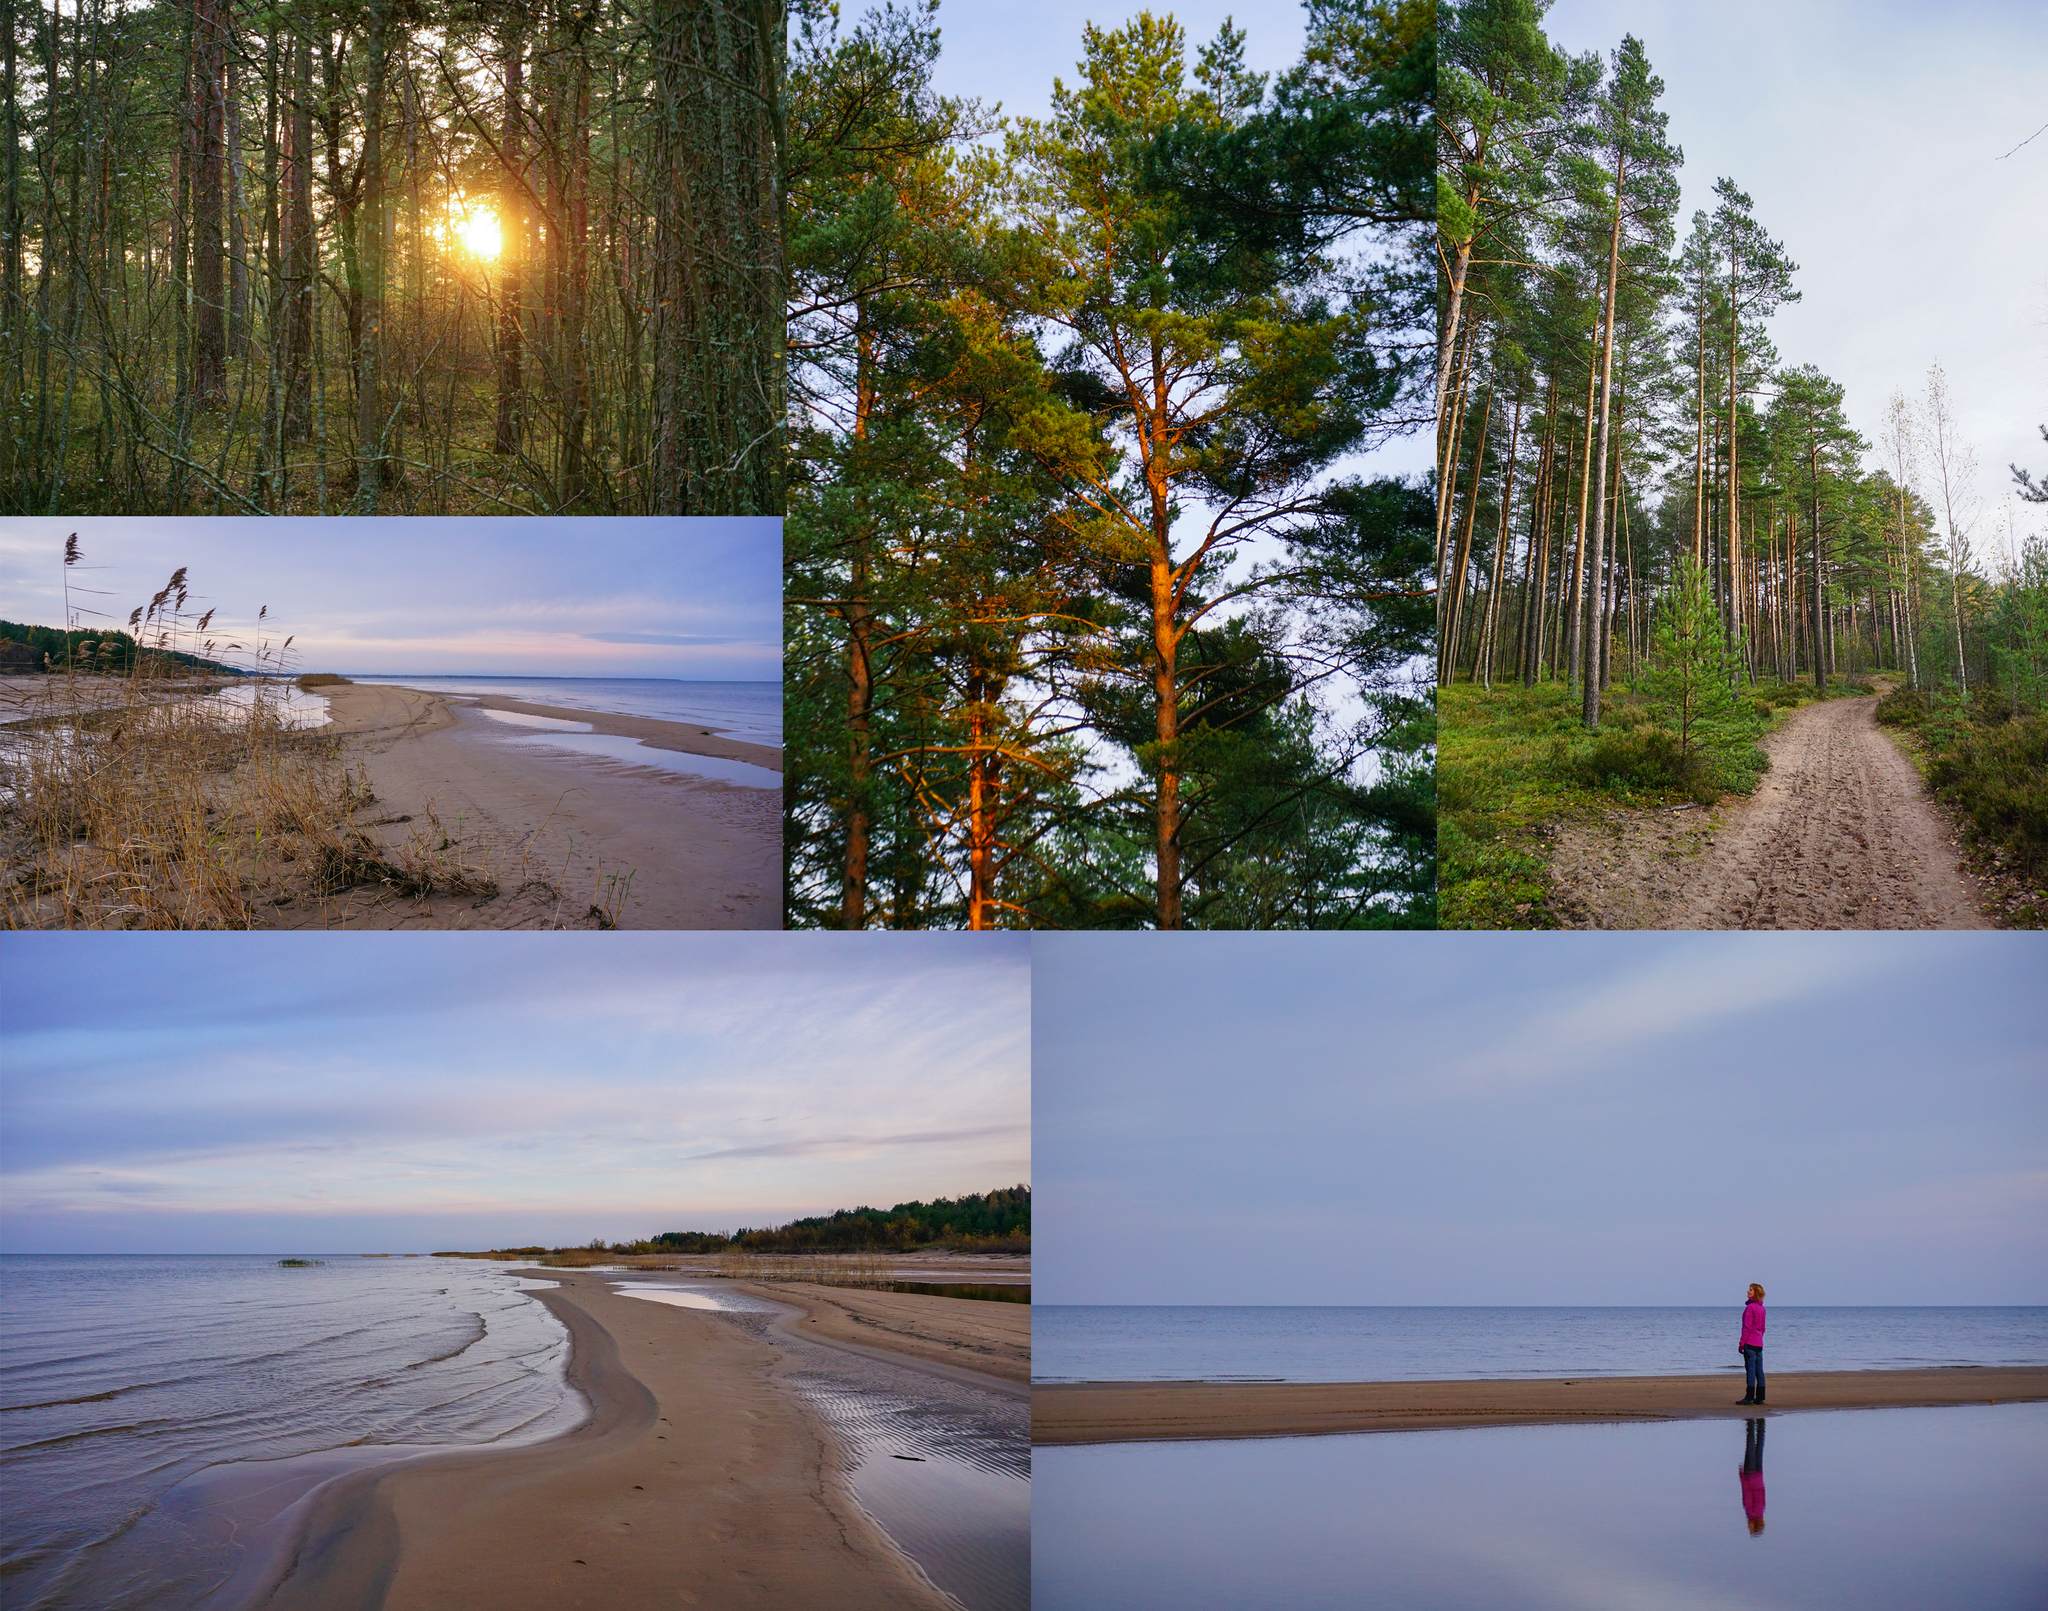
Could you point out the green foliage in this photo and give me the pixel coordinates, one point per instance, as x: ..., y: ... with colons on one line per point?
x: 111, y: 653
x: 1996, y: 774
x: 1703, y: 743
x: 997, y: 1220
x: 1009, y: 569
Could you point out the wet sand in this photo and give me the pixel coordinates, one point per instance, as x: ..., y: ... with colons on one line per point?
x: 962, y: 1337
x: 1160, y: 1412
x: 700, y: 1479
x: 701, y: 853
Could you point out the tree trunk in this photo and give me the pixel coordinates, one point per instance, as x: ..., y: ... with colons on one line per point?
x: 370, y: 243
x: 1597, y: 624
x: 1820, y: 665
x: 238, y: 203
x: 209, y: 353
x: 1500, y: 555
x: 1447, y: 648
x: 296, y: 339
x: 512, y: 243
x: 981, y: 803
x: 717, y: 177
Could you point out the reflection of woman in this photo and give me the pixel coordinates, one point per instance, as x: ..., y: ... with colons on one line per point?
x: 1753, y: 1476
x: 1753, y: 1345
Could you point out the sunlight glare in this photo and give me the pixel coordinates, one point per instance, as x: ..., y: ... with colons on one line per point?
x: 479, y: 232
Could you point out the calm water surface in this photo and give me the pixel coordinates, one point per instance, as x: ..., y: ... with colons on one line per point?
x: 142, y: 1399
x: 745, y: 710
x: 1880, y: 1510
x: 1330, y: 1344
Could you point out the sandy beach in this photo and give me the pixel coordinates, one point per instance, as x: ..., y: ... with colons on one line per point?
x: 1158, y: 1412
x: 559, y: 832
x: 956, y: 1335
x: 700, y: 1479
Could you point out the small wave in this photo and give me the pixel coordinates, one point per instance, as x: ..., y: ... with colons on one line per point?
x: 93, y: 1432
x: 54, y: 1403
x: 481, y: 1331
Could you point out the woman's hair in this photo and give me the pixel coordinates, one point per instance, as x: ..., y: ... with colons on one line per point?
x: 1755, y: 1291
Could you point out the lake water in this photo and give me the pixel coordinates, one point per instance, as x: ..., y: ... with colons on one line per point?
x: 138, y: 1394
x: 1106, y: 1343
x: 751, y: 711
x: 1881, y: 1510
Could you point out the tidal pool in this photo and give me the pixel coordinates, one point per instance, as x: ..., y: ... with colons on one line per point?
x: 1927, y: 1509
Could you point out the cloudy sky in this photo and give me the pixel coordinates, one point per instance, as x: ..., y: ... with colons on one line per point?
x: 520, y: 596
x: 1513, y: 1118
x: 1872, y: 135
x: 1869, y: 133
x: 411, y: 1092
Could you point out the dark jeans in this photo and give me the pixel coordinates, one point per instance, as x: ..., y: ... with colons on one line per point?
x: 1753, y: 1371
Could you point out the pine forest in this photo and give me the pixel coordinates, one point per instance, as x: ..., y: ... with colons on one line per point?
x: 1095, y: 615
x: 1659, y: 534
x: 377, y: 257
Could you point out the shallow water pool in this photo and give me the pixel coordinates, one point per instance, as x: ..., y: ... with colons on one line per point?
x: 1927, y: 1509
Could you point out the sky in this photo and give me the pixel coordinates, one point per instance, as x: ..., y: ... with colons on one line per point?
x: 521, y: 596
x: 399, y: 1093
x: 1873, y: 137
x: 1541, y: 1119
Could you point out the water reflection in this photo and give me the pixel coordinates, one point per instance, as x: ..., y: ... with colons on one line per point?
x: 1753, y: 1475
x: 985, y: 1291
x: 1884, y: 1510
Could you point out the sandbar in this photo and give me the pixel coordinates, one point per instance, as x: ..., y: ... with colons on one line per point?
x: 560, y: 833
x: 699, y: 1479
x: 1161, y: 1412
x: 988, y: 1344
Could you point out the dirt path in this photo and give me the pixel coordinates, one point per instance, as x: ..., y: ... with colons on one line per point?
x: 1839, y: 835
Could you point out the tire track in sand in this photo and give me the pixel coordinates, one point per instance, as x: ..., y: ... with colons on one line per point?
x: 1840, y: 834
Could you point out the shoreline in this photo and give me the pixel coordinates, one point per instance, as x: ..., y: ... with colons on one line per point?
x: 697, y: 1478
x: 1064, y: 1414
x: 559, y: 832
x: 988, y: 1347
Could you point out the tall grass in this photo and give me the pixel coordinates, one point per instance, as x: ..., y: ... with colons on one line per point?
x: 132, y: 797
x: 826, y: 1270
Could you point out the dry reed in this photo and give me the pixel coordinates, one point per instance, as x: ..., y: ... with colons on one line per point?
x: 818, y: 1269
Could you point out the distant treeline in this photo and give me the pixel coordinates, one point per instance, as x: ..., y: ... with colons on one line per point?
x: 111, y: 653
x: 992, y: 1222
x: 998, y: 1221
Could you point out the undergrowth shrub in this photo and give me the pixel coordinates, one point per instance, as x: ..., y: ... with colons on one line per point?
x: 1997, y: 776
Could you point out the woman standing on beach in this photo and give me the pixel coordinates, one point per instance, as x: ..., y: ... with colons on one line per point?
x: 1753, y: 1345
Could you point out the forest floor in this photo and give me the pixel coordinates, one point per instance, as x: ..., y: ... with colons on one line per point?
x: 1840, y: 834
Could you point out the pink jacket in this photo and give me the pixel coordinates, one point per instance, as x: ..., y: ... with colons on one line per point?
x: 1752, y: 1325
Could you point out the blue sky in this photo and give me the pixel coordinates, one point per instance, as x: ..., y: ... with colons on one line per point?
x: 694, y: 598
x: 1557, y: 1118
x: 411, y: 1092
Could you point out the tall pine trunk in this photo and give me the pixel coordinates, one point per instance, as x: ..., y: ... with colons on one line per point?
x: 370, y: 243
x: 512, y: 243
x: 209, y: 351
x: 717, y: 174
x: 1596, y: 617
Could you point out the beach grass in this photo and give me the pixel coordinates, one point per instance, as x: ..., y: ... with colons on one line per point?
x: 131, y: 797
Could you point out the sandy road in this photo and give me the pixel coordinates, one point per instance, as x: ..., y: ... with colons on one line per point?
x: 1839, y: 835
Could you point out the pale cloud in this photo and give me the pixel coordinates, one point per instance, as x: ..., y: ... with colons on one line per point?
x: 616, y: 597
x: 674, y: 1077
